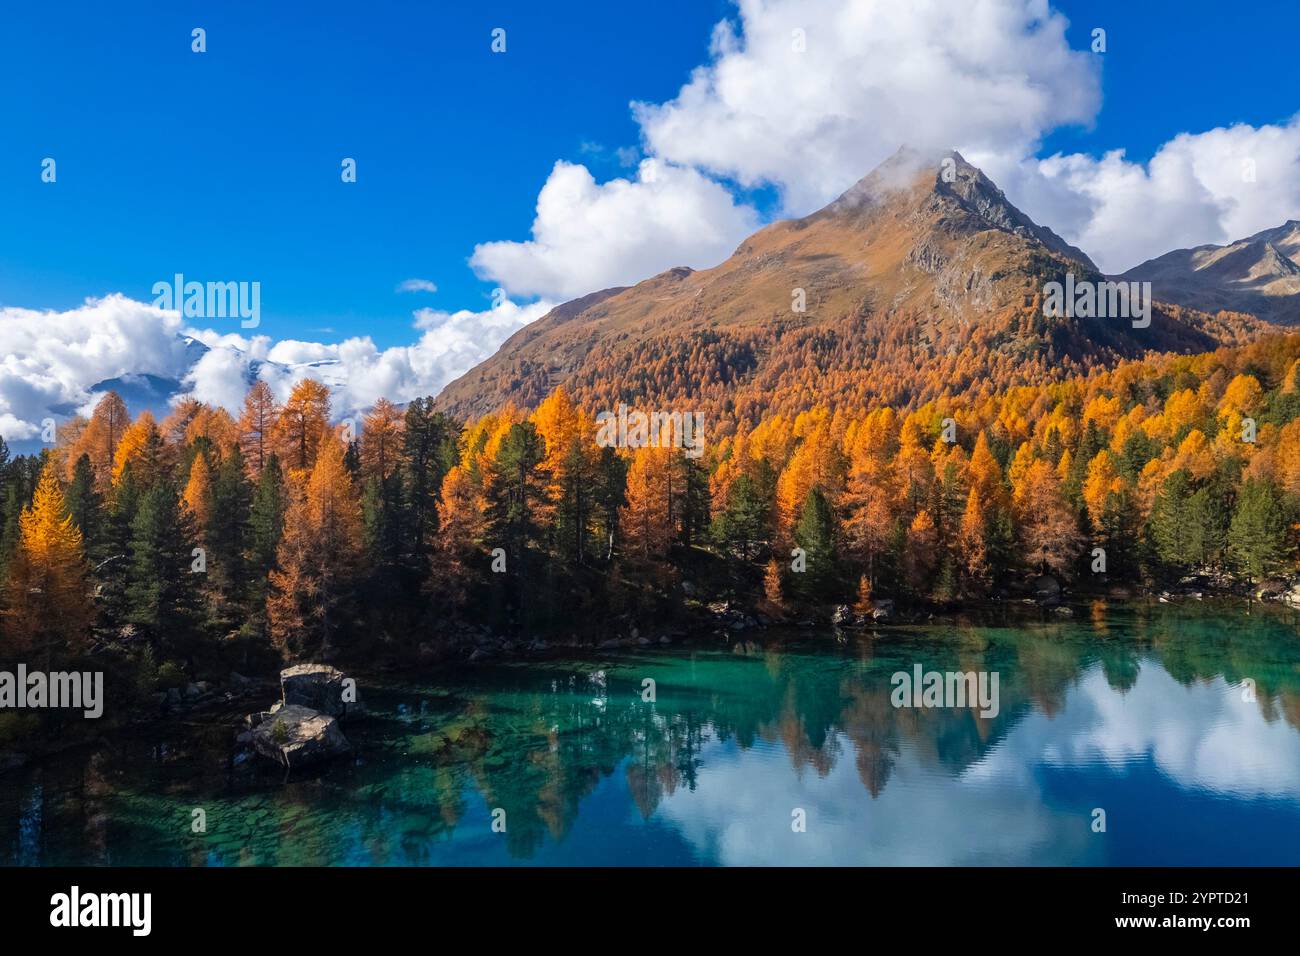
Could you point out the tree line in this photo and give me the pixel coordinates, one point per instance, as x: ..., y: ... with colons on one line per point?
x: 209, y: 540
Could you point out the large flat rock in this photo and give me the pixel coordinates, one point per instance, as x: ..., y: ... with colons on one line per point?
x: 295, y: 736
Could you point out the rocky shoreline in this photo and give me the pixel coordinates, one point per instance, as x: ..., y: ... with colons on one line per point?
x: 725, y: 619
x: 305, y: 725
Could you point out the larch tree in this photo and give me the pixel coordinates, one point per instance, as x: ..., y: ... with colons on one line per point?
x: 381, y: 441
x: 1048, y: 530
x: 215, y: 426
x: 100, y: 438
x: 459, y: 540
x: 311, y: 599
x: 256, y: 427
x: 1103, y: 480
x: 300, y: 424
x: 972, y: 543
x: 870, y: 517
x: 197, y: 496
x: 142, y: 448
x: 48, y: 606
x: 921, y: 552
x: 773, y: 591
x: 645, y: 521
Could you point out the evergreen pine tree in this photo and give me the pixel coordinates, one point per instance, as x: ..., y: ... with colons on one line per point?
x: 742, y: 526
x: 516, y: 490
x: 86, y: 505
x: 163, y: 590
x: 1257, y: 535
x: 229, y: 541
x: 815, y: 533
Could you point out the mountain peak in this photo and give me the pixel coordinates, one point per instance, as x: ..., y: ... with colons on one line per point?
x: 943, y: 183
x: 923, y: 265
x: 1285, y: 238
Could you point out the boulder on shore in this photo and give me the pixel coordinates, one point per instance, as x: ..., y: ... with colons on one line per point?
x: 320, y: 687
x: 1047, y: 590
x: 295, y: 736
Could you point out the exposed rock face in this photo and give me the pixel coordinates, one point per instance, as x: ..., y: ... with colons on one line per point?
x: 319, y: 687
x: 296, y: 736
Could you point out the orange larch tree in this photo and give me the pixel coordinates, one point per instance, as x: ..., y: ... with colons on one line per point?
x: 301, y: 423
x: 311, y: 589
x: 256, y: 427
x: 99, y: 439
x: 48, y: 607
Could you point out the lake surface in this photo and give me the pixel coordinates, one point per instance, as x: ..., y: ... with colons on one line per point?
x: 1143, y: 712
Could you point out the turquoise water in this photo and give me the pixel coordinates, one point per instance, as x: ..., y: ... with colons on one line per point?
x: 1144, y: 713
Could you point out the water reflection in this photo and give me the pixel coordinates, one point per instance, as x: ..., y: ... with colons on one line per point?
x: 1145, y: 713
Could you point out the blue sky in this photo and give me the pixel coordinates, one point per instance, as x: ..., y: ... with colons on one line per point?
x: 608, y: 143
x: 226, y: 164
x: 1176, y: 66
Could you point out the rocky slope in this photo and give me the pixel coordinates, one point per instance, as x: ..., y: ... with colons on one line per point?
x: 915, y: 283
x: 1259, y: 275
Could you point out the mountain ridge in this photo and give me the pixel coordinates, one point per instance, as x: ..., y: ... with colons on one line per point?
x: 920, y: 278
x: 1259, y: 274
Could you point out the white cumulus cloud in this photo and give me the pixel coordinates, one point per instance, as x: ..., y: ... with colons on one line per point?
x: 807, y: 96
x: 871, y: 75
x: 53, y: 361
x: 1210, y: 187
x: 589, y: 236
x: 50, y: 360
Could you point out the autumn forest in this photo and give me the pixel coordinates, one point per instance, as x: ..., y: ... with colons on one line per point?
x: 207, y: 540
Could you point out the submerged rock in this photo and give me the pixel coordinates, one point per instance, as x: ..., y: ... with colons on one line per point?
x: 295, y: 736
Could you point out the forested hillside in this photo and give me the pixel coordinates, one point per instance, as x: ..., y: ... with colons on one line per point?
x: 208, y: 542
x: 920, y: 282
